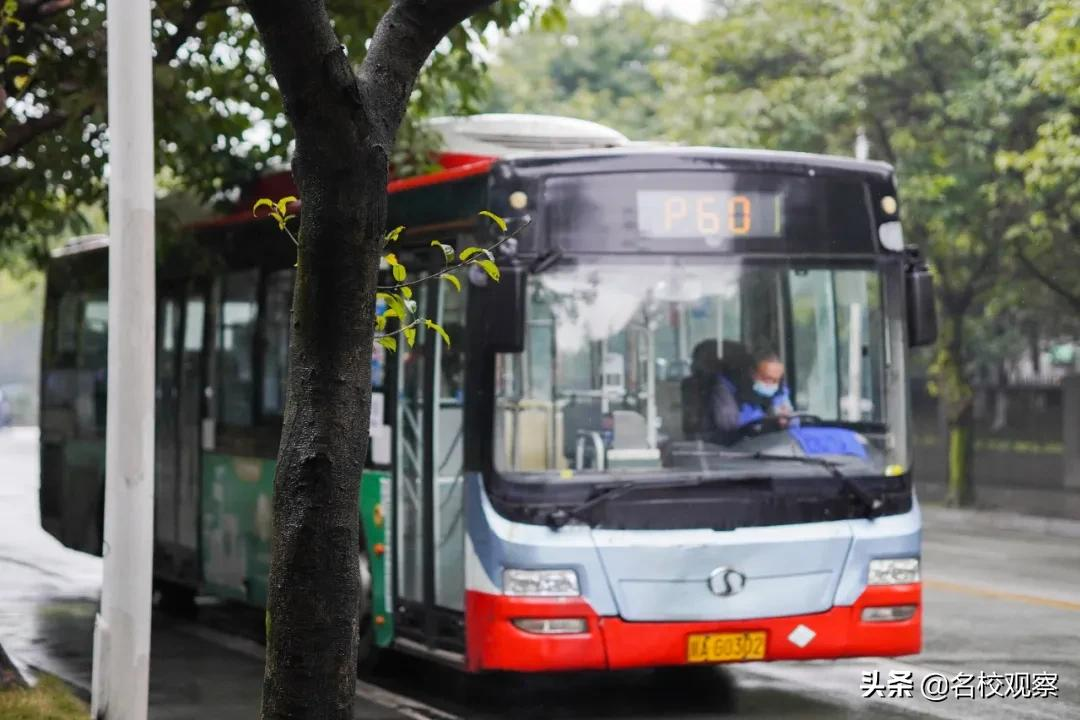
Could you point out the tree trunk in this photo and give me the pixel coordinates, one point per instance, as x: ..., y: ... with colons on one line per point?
x: 961, y: 488
x: 314, y: 578
x: 341, y: 176
x: 957, y: 394
x: 345, y: 123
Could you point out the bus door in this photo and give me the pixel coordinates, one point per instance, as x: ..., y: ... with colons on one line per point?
x: 430, y: 587
x: 179, y: 392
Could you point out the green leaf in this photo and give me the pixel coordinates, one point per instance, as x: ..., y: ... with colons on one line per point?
x: 21, y: 81
x: 396, y: 305
x: 410, y: 335
x: 396, y: 268
x: 406, y: 292
x: 283, y: 203
x: 495, y: 218
x: 490, y: 268
x: 17, y: 59
x: 453, y: 281
x: 448, y: 252
x: 394, y: 234
x: 439, y: 329
x: 262, y: 202
x: 387, y: 342
x: 380, y: 321
x: 469, y: 252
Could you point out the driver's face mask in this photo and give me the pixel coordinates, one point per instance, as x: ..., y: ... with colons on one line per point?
x: 766, y: 389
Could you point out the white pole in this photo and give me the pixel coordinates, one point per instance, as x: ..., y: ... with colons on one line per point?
x: 122, y: 629
x: 862, y: 145
x: 854, y: 399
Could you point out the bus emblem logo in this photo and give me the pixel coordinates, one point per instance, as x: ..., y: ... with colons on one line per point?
x: 725, y: 581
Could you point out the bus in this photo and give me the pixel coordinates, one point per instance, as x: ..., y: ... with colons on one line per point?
x: 549, y: 493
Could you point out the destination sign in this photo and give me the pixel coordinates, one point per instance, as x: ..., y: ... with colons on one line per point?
x: 705, y: 212
x: 709, y: 214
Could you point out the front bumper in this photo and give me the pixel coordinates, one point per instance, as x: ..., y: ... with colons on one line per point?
x: 610, y: 643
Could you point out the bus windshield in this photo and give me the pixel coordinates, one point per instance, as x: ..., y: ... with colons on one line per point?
x: 628, y: 362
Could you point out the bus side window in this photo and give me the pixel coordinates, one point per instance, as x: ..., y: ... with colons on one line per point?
x: 275, y: 350
x: 93, y: 363
x: 62, y: 340
x: 67, y: 330
x: 236, y: 334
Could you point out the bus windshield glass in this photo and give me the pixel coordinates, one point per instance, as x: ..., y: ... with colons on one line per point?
x: 631, y: 365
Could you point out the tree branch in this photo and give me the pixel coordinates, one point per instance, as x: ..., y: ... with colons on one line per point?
x: 883, y: 138
x: 456, y: 266
x: 299, y: 38
x: 25, y: 133
x: 1057, y: 288
x: 404, y: 39
x: 185, y: 26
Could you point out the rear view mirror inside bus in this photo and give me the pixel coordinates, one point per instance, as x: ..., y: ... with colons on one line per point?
x: 921, y: 311
x: 496, y: 312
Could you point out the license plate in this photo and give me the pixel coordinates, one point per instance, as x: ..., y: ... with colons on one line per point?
x: 725, y: 647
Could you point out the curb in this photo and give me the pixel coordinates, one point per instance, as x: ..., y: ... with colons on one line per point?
x: 997, y: 520
x: 11, y: 675
x: 77, y: 689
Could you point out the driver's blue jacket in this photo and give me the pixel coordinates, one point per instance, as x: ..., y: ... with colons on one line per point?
x: 729, y: 414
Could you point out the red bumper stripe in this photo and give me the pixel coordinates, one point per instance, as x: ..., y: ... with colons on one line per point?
x: 493, y: 643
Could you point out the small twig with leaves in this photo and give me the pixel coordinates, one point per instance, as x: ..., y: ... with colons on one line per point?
x: 397, y: 299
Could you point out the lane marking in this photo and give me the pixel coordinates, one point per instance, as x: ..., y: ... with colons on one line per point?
x: 1001, y: 594
x: 401, y: 704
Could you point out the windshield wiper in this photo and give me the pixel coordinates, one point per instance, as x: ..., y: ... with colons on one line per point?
x: 869, y: 502
x: 560, y: 516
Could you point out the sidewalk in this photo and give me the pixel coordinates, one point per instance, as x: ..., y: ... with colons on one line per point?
x: 48, y: 599
x: 935, y: 515
x: 1038, y: 502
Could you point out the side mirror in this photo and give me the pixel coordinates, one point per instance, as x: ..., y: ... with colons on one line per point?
x: 496, y: 311
x: 921, y: 310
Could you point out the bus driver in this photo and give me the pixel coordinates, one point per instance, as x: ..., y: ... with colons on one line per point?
x: 741, y: 400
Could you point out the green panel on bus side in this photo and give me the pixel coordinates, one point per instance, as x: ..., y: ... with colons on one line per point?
x: 82, y: 495
x: 375, y: 513
x: 237, y: 514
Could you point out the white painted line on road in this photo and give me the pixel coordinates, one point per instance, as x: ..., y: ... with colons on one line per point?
x: 404, y: 705
x: 400, y: 703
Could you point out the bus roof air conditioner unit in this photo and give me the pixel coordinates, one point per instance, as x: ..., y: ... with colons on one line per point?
x: 509, y: 134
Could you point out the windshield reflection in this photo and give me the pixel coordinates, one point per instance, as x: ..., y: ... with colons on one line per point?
x: 634, y: 365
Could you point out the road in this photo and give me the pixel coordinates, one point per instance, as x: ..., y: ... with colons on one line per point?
x: 996, y: 601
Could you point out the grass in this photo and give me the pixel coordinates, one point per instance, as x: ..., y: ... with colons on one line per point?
x: 49, y: 700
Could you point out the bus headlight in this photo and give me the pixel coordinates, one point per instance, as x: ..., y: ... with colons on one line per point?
x: 541, y: 583
x: 551, y: 626
x: 893, y: 571
x: 894, y: 613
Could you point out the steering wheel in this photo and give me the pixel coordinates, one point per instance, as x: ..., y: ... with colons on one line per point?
x: 776, y: 423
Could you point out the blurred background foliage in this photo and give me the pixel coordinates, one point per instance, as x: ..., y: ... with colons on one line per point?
x: 218, y: 118
x: 975, y: 102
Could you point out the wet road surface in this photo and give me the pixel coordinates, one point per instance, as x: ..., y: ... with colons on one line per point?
x: 995, y: 601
